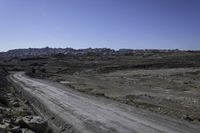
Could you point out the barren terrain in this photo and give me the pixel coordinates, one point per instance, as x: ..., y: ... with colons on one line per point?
x: 165, y: 83
x: 172, y: 92
x: 80, y: 112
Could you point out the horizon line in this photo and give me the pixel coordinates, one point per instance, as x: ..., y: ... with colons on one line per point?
x: 99, y: 48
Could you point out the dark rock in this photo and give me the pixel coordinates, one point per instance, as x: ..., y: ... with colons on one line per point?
x: 27, y: 112
x: 62, y: 130
x: 20, y: 122
x: 188, y: 118
x: 1, y: 117
x: 36, y: 123
x: 52, y: 118
x: 26, y: 102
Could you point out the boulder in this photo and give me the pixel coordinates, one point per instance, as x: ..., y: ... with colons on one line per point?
x: 36, y: 123
x: 4, y: 128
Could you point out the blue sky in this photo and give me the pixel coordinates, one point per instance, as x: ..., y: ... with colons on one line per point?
x: 135, y: 24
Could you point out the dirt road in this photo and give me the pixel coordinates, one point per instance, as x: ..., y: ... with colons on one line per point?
x: 89, y: 114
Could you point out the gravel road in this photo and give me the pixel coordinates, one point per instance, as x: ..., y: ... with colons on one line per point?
x: 90, y: 114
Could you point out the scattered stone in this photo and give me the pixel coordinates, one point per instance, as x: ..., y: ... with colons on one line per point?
x: 36, y: 123
x: 16, y: 130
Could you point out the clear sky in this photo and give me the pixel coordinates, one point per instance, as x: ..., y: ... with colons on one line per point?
x: 135, y: 24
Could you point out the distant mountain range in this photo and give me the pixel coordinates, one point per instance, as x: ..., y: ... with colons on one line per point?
x: 31, y: 52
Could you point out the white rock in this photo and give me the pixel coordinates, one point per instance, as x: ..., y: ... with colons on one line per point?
x: 3, y: 128
x: 26, y: 130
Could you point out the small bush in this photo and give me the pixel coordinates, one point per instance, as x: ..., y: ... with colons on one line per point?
x: 4, y: 101
x: 43, y: 70
x: 33, y: 70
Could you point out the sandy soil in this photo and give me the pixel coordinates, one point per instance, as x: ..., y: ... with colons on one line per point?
x: 173, y: 92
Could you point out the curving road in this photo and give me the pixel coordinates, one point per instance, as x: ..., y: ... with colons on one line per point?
x: 90, y: 114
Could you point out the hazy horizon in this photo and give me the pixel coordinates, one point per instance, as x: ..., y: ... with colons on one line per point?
x: 100, y: 48
x: 115, y: 24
